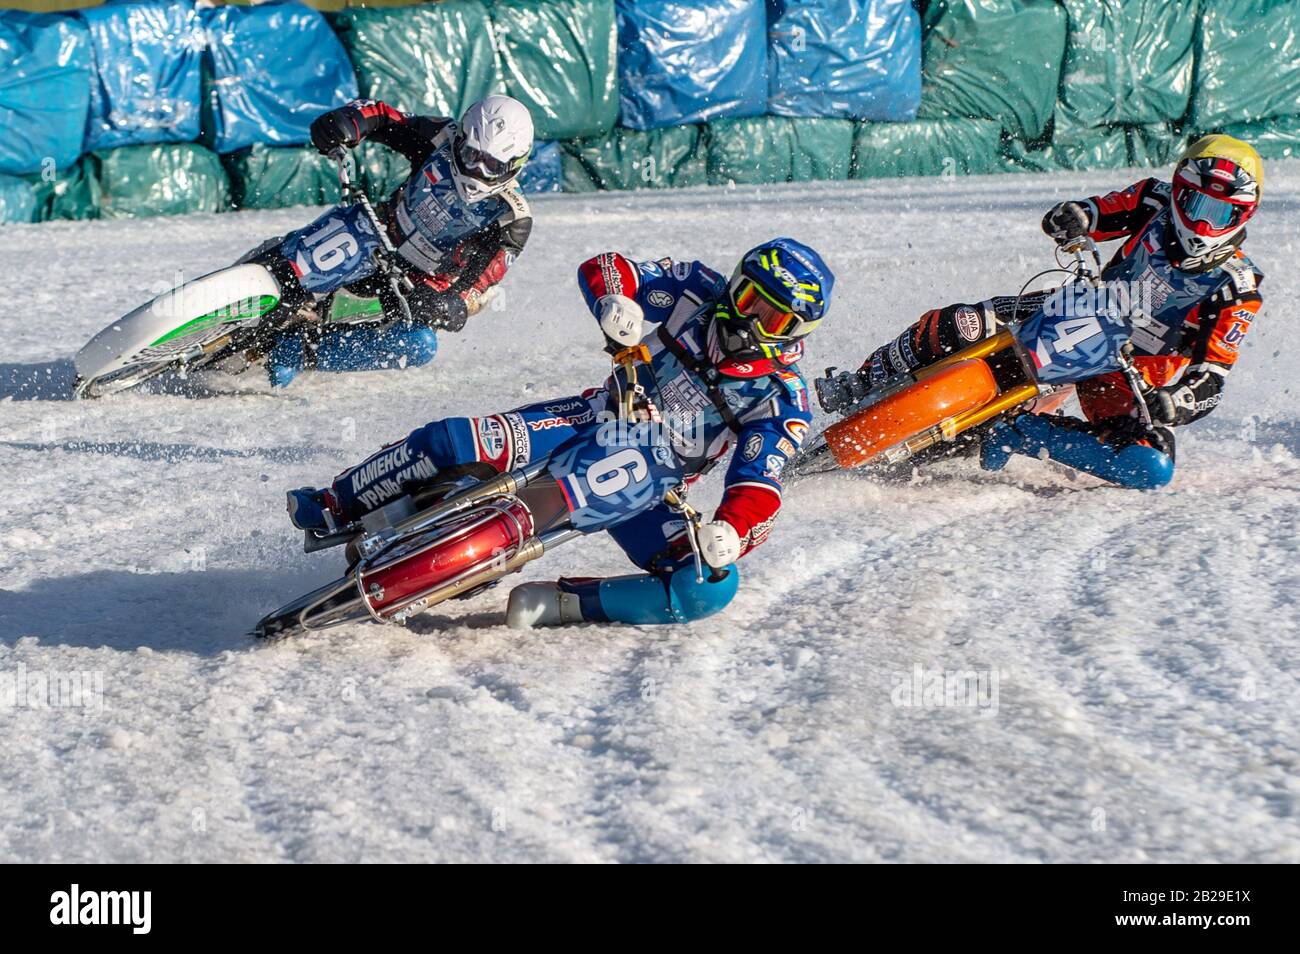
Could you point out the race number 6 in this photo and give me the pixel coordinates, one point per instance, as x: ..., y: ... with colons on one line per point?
x: 616, y: 471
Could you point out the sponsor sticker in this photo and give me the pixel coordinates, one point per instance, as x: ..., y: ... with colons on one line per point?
x: 660, y: 299
x: 969, y: 324
x: 796, y: 429
x: 775, y: 464
x: 682, y: 271
x: 522, y: 444
x: 491, y: 440
x: 753, y: 447
x: 785, y: 447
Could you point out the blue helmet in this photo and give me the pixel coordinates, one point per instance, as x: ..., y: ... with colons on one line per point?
x: 778, y: 293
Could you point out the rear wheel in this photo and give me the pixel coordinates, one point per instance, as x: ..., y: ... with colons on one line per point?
x: 929, y: 405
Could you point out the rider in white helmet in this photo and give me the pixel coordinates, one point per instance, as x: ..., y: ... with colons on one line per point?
x: 459, y: 221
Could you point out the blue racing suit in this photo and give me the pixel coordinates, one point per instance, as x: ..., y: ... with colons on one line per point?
x: 711, y: 404
x: 455, y: 251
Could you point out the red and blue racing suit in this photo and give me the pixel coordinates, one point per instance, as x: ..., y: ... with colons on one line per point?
x: 712, y: 405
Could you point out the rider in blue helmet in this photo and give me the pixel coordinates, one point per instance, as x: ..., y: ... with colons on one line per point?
x: 777, y: 295
x: 722, y: 377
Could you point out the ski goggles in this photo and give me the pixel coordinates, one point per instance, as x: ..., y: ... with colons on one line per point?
x: 1204, y: 208
x: 488, y: 168
x: 769, y: 320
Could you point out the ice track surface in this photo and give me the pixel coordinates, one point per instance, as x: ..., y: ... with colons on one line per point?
x: 1147, y: 705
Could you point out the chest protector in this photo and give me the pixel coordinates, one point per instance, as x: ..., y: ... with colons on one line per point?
x: 701, y: 407
x: 431, y: 218
x: 1161, y: 295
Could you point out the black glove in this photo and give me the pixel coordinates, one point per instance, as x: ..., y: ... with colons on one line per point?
x: 334, y: 130
x: 1172, y: 405
x: 449, y: 313
x: 1066, y: 222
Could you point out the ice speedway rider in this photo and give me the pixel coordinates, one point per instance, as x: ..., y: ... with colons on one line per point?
x: 722, y: 374
x: 458, y: 222
x: 1199, y: 292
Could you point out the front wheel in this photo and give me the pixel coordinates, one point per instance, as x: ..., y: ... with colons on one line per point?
x: 924, y: 409
x: 174, y: 329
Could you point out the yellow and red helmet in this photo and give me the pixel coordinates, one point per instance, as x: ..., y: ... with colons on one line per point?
x: 1216, y: 189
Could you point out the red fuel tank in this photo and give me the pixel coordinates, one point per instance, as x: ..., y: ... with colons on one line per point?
x: 437, y: 557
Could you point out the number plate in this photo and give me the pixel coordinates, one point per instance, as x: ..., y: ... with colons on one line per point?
x: 607, y: 480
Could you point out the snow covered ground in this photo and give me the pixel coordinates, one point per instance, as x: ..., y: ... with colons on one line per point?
x: 1145, y: 708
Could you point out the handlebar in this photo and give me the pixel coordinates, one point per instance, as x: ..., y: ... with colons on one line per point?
x: 676, y: 500
x: 1087, y: 257
x: 388, y: 264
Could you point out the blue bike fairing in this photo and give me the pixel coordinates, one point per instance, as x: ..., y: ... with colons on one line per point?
x: 1074, y: 336
x: 335, y: 250
x: 614, y: 475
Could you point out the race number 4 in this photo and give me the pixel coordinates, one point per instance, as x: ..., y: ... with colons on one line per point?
x: 1072, y: 332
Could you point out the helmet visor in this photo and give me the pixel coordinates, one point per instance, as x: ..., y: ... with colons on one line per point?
x: 482, y: 166
x: 1204, y: 209
x: 771, y: 322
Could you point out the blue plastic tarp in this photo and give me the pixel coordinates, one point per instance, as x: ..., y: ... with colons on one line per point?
x: 543, y: 171
x: 147, y: 73
x: 44, y: 90
x: 688, y: 62
x: 275, y: 68
x: 17, y: 200
x: 844, y: 59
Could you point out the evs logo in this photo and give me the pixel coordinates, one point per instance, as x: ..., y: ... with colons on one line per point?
x: 103, y: 907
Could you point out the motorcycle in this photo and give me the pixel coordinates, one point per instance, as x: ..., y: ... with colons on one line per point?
x: 230, y: 318
x: 453, y: 540
x: 1038, y: 360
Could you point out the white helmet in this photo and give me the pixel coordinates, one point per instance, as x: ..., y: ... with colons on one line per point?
x: 492, y: 145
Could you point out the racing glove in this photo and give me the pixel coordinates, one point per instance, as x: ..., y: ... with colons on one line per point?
x: 1065, y: 222
x: 449, y: 313
x: 1173, y: 405
x: 719, y: 544
x: 622, y: 321
x: 335, y: 129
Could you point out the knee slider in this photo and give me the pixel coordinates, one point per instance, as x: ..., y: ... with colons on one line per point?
x: 373, y: 349
x: 644, y: 598
x: 1143, y: 468
x: 695, y: 600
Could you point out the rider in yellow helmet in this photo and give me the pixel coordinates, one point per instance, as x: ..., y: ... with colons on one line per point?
x: 1199, y: 295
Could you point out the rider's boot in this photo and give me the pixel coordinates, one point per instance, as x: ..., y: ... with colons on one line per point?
x: 312, y: 509
x: 1120, y: 451
x: 639, y: 599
